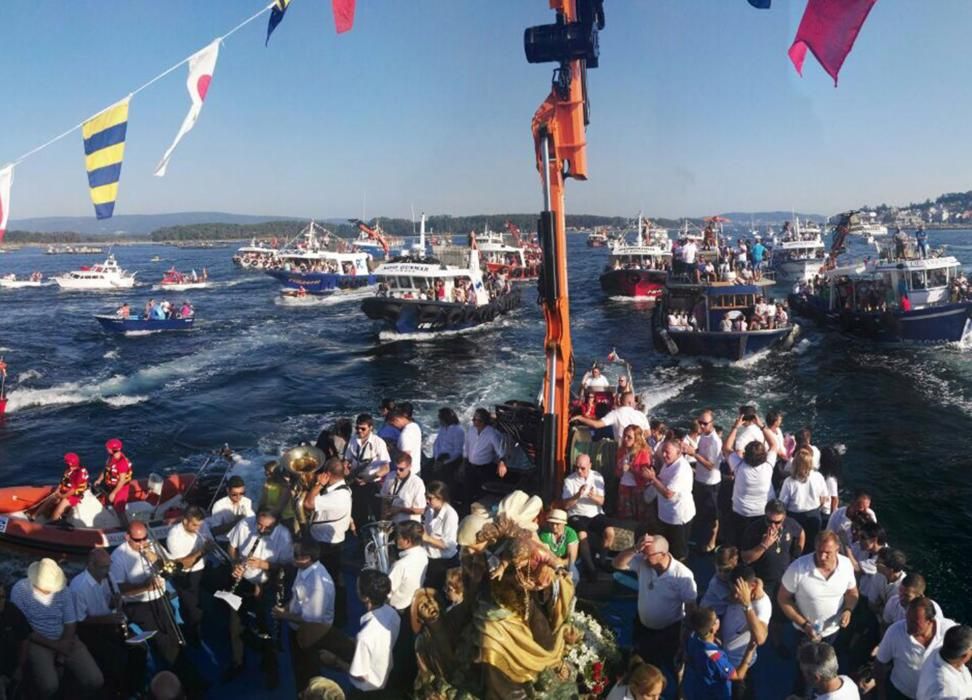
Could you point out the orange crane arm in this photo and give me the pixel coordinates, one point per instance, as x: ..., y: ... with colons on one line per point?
x: 560, y: 143
x: 373, y: 234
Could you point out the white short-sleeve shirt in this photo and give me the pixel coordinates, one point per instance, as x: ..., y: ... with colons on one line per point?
x: 802, y: 496
x: 752, y: 487
x: 332, y: 513
x: 407, y: 575
x: 710, y: 447
x: 130, y: 567
x: 443, y: 525
x: 847, y: 691
x: 840, y: 523
x: 585, y: 507
x: 372, y: 660
x: 939, y: 680
x: 623, y: 416
x: 747, y: 434
x: 91, y: 598
x: 407, y: 493
x: 180, y: 543
x: 410, y: 441
x: 680, y: 508
x: 819, y: 599
x: 662, y: 597
x: 275, y: 547
x: 313, y: 595
x: 225, y: 511
x: 895, y: 611
x: 908, y: 654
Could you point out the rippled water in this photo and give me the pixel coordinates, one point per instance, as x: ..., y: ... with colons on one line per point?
x: 261, y: 376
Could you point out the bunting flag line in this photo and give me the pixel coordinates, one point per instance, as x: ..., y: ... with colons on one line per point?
x: 202, y: 64
x: 104, y: 149
x: 6, y: 179
x: 829, y: 29
x: 343, y: 15
x: 276, y: 16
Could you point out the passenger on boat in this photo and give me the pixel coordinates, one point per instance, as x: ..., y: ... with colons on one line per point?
x: 331, y: 501
x: 276, y: 494
x: 905, y: 303
x: 666, y: 592
x: 818, y: 670
x: 403, y: 492
x: 231, y: 508
x: 562, y: 540
x: 619, y: 418
x: 387, y: 431
x: 900, y: 244
x: 74, y: 484
x: 708, y: 671
x: 447, y: 448
x: 260, y: 546
x: 583, y: 499
x: 186, y: 311
x: 103, y: 628
x: 367, y: 459
x: 409, y: 434
x: 116, y: 477
x: 310, y: 615
x: 945, y: 673
x: 441, y: 528
x: 149, y: 306
x: 187, y: 543
x: 672, y: 487
x: 49, y: 609
x: 725, y: 325
x: 123, y: 311
x: 484, y: 451
x: 595, y: 381
x: 633, y: 458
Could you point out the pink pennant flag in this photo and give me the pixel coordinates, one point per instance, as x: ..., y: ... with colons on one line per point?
x: 201, y: 68
x: 829, y: 29
x: 343, y: 15
x: 6, y: 179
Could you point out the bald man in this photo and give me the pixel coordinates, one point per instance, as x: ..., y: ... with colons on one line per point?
x: 666, y: 593
x: 101, y: 626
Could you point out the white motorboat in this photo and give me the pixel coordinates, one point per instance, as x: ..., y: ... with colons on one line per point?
x: 105, y: 276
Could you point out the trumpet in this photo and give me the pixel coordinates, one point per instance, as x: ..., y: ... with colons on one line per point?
x: 160, y: 587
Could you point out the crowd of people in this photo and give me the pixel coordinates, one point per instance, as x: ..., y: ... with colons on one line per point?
x: 465, y: 589
x: 157, y: 311
x: 458, y: 290
x: 763, y: 315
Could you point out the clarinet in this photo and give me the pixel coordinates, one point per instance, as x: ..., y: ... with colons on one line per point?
x: 279, y: 602
x: 126, y: 633
x: 244, y: 559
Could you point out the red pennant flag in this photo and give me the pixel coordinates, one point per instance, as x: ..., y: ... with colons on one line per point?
x: 829, y: 29
x: 343, y: 15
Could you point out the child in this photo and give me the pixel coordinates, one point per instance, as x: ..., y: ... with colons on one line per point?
x: 708, y: 672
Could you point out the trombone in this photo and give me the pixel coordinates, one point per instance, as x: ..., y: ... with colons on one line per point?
x: 163, y: 567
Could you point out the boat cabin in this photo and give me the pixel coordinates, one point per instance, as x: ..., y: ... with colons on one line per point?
x: 428, y: 278
x: 879, y: 286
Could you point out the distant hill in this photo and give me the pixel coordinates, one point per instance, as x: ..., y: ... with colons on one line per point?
x: 761, y: 218
x: 133, y: 224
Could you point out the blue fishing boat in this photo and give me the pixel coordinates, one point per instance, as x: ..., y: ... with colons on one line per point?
x: 903, y: 295
x: 727, y: 320
x: 137, y: 324
x: 320, y: 263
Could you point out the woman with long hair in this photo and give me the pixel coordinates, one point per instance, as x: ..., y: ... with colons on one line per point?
x: 804, y: 494
x: 634, y: 456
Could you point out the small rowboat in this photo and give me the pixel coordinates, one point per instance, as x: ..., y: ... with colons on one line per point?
x: 158, y: 502
x: 11, y: 282
x: 139, y: 325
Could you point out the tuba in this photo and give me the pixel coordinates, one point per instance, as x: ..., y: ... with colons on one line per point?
x: 379, y: 537
x: 300, y: 465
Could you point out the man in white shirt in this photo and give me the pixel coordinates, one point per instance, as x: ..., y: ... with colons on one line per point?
x: 403, y: 493
x: 666, y: 592
x: 368, y: 461
x: 231, y: 508
x: 410, y: 437
x: 407, y: 574
x: 905, y: 647
x: 945, y: 674
x: 747, y: 618
x: 49, y: 609
x: 818, y: 669
x: 819, y: 592
x: 596, y: 381
x: 484, y: 450
x: 620, y: 418
x: 260, y: 546
x: 133, y: 576
x: 187, y: 543
x: 673, y: 486
x: 101, y: 626
x: 310, y: 613
x: 371, y: 662
x: 583, y: 499
x: 842, y: 520
x: 705, y: 490
x: 912, y: 586
x: 331, y: 500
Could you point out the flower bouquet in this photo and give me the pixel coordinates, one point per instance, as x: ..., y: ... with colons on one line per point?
x: 593, y: 653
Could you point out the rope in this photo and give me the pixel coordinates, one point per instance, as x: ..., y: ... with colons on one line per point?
x: 140, y: 88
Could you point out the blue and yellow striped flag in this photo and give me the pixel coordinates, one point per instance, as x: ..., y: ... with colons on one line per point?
x: 104, y: 149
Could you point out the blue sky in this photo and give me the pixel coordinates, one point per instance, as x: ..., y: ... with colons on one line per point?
x: 695, y: 109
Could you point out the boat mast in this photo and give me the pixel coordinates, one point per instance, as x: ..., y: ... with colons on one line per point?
x: 561, y: 151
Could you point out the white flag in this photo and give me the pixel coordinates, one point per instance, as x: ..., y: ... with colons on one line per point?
x: 6, y: 179
x: 201, y: 68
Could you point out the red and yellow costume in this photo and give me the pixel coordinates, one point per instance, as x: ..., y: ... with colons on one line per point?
x: 74, y: 482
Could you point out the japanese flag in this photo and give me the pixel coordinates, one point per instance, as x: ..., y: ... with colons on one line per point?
x: 201, y: 68
x: 6, y: 178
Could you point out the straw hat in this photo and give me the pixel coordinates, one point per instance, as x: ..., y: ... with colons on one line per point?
x: 46, y: 575
x: 557, y: 516
x: 521, y: 509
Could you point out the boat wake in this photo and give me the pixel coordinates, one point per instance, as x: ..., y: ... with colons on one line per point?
x: 317, y: 301
x: 28, y: 375
x: 663, y: 389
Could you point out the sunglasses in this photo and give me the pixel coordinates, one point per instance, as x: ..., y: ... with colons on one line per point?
x: 775, y: 522
x: 402, y: 469
x: 361, y: 428
x: 705, y: 422
x: 138, y: 539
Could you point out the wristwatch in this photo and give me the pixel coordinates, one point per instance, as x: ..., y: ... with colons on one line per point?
x: 747, y: 608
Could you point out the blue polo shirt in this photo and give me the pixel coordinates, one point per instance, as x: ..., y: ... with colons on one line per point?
x: 707, y: 671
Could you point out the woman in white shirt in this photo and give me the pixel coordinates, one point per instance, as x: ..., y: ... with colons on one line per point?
x: 642, y: 682
x: 805, y: 493
x: 830, y: 470
x: 440, y: 523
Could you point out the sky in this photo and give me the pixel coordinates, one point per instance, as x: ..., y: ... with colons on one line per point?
x: 426, y: 104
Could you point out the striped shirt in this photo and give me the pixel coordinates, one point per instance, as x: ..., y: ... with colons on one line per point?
x: 47, y: 614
